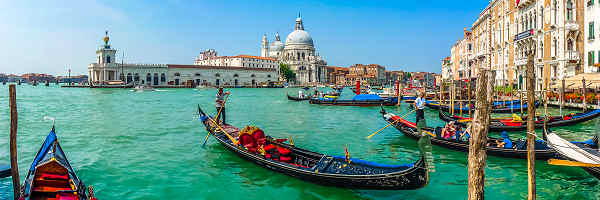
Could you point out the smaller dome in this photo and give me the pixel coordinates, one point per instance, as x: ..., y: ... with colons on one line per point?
x: 276, y: 46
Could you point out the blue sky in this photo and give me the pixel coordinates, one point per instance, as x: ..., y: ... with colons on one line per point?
x: 53, y: 36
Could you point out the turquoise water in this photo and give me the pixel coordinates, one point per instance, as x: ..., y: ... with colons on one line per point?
x: 148, y: 145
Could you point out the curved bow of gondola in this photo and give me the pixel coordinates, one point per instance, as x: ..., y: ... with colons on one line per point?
x: 337, y: 171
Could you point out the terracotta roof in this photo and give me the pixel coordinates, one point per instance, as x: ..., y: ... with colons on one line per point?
x: 218, y: 67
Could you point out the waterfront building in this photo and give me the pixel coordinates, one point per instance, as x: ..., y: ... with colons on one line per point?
x: 298, y: 53
x: 31, y: 77
x: 372, y: 73
x: 337, y: 75
x: 106, y: 70
x: 592, y: 36
x: 447, y: 71
x: 461, y: 57
x: 210, y: 58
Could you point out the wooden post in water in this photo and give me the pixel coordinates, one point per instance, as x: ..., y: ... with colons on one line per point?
x: 521, y: 100
x: 14, y: 167
x: 584, y: 94
x: 479, y: 134
x: 469, y: 96
x: 562, y: 96
x: 441, y: 92
x: 546, y: 104
x: 530, y: 128
x: 398, y: 91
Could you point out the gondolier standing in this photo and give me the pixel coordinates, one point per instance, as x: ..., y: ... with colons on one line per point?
x: 220, y: 103
x: 419, y: 105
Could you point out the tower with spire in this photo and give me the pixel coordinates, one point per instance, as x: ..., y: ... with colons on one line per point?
x: 264, y: 47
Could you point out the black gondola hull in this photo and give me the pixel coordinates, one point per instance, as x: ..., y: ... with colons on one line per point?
x: 464, y: 145
x: 412, y: 178
x: 498, y: 126
x: 296, y: 98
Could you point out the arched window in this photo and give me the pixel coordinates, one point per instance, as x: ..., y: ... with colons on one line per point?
x: 235, y: 75
x: 155, y: 79
x: 107, y: 59
x: 177, y: 74
x: 570, y: 45
x: 197, y: 74
x: 129, y: 78
x: 163, y: 78
x: 148, y: 78
x: 217, y: 75
x: 269, y: 75
x: 136, y: 77
x: 252, y: 75
x: 303, y: 58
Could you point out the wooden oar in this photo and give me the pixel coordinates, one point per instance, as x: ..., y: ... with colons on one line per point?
x: 571, y: 163
x: 369, y: 137
x: 225, y: 101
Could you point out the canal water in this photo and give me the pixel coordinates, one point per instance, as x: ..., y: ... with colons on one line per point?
x: 148, y: 145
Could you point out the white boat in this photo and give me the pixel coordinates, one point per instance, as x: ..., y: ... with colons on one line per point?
x: 582, y: 154
x: 141, y: 88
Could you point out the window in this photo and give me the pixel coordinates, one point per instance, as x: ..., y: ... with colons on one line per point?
x: 591, y: 58
x: 107, y: 59
x: 217, y: 75
x: 163, y: 78
x: 235, y: 75
x: 591, y: 33
x: 148, y: 77
x: 136, y: 77
x: 177, y: 74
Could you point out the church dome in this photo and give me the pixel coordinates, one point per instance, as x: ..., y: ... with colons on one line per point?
x: 300, y: 37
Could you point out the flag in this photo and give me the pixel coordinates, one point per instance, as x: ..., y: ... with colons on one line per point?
x: 518, y: 2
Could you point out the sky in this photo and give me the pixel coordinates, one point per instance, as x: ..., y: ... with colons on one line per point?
x: 54, y: 36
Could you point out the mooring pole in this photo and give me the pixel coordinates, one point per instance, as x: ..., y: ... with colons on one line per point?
x: 477, y: 143
x: 14, y: 167
x: 530, y: 128
x: 469, y: 95
x: 562, y: 96
x: 584, y: 94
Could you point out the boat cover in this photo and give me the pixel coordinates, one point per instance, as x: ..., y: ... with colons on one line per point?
x: 571, y: 151
x: 366, y: 97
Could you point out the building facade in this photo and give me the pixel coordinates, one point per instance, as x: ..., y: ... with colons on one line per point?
x: 560, y: 33
x: 225, y: 71
x: 372, y: 74
x: 592, y: 36
x: 298, y: 53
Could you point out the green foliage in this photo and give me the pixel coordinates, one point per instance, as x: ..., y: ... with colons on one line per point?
x: 286, y: 72
x: 506, y: 89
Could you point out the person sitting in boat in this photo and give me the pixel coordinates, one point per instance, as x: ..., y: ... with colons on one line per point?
x: 516, y: 118
x: 463, y: 135
x: 506, y: 142
x: 300, y: 94
x: 449, y: 130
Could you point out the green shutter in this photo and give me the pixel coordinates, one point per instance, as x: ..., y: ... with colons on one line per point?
x: 590, y: 58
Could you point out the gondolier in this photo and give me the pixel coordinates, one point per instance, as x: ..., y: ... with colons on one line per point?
x: 419, y: 105
x: 220, y: 103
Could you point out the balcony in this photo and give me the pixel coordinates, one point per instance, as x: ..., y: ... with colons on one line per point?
x: 521, y: 61
x: 572, y: 26
x: 572, y: 56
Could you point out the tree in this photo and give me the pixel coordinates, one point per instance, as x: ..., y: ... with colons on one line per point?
x: 286, y: 72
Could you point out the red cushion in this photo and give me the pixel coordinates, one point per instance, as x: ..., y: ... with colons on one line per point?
x: 566, y: 118
x: 283, y: 151
x: 285, y: 159
x: 261, y: 141
x: 66, y: 196
x: 258, y: 134
x: 246, y: 139
x: 268, y: 156
x: 54, y: 176
x: 269, y: 147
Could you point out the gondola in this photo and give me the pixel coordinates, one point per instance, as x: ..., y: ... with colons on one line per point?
x: 297, y: 98
x: 519, y: 150
x: 51, y: 176
x: 337, y: 171
x: 358, y: 100
x: 512, y: 125
x: 582, y: 152
x: 4, y: 171
x: 498, y: 108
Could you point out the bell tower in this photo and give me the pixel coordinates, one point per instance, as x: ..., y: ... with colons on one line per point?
x: 106, y: 55
x: 264, y: 52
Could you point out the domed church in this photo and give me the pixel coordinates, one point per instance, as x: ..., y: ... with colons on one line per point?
x: 298, y: 53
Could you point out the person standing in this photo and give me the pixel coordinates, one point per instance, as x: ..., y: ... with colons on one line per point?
x: 220, y: 103
x: 419, y: 105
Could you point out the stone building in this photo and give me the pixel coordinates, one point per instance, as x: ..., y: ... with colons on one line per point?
x: 227, y: 71
x: 298, y: 53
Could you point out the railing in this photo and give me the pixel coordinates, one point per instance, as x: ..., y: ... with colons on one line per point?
x: 572, y: 55
x: 522, y: 61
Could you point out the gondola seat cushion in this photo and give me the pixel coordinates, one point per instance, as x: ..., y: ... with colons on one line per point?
x: 66, y: 196
x: 246, y: 139
x: 269, y: 147
x: 283, y: 151
x: 259, y: 137
x: 47, y: 176
x: 285, y: 159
